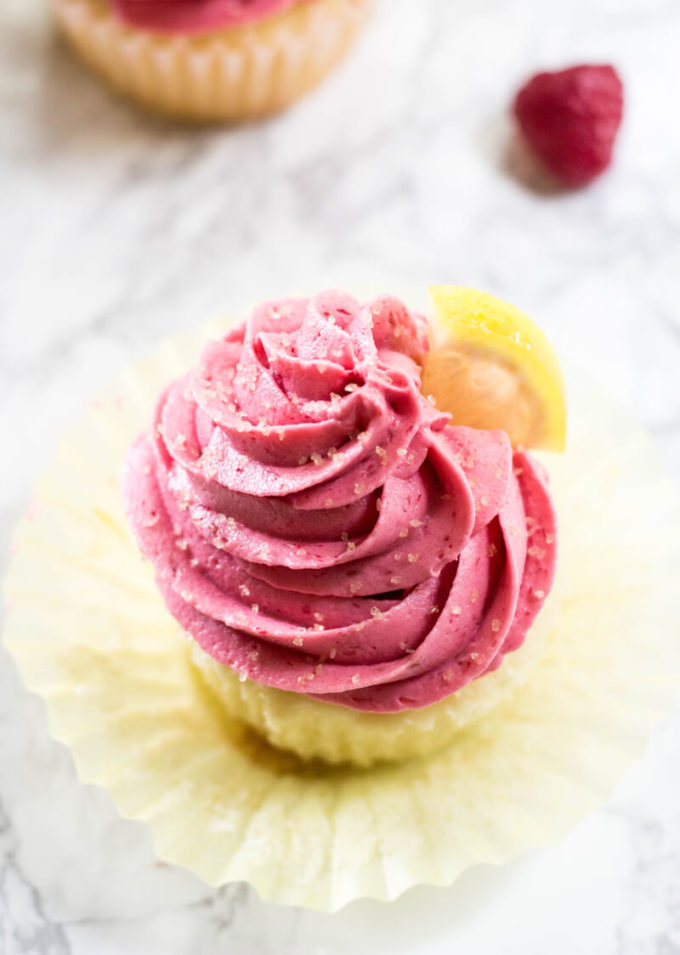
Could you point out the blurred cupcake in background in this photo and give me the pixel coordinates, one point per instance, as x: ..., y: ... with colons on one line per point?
x: 212, y: 60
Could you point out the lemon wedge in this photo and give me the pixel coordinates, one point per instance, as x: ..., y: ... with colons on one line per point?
x: 491, y: 367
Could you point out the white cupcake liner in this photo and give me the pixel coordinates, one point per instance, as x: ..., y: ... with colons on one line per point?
x: 93, y: 637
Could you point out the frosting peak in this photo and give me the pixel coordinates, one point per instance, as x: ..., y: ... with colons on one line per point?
x: 318, y: 526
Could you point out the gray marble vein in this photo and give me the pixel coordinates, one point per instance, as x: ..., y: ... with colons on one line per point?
x: 117, y: 229
x: 24, y: 927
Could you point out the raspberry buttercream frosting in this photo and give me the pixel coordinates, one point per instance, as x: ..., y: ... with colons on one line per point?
x: 317, y: 525
x: 196, y: 16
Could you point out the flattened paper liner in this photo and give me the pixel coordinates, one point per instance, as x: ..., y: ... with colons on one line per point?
x: 226, y: 75
x: 92, y: 636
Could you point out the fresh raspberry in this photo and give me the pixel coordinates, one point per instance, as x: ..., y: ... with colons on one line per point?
x: 570, y: 120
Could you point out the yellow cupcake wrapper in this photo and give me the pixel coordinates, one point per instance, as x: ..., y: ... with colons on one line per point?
x: 91, y: 634
x: 225, y: 75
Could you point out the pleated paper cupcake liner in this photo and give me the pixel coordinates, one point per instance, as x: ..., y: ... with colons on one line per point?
x: 227, y: 75
x: 92, y: 636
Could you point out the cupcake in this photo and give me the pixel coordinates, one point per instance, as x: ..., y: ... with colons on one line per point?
x: 216, y: 60
x: 372, y: 639
x: 344, y: 560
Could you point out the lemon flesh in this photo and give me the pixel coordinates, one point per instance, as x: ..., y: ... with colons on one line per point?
x: 491, y: 367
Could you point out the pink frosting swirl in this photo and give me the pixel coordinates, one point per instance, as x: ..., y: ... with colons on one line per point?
x: 197, y: 16
x: 318, y: 526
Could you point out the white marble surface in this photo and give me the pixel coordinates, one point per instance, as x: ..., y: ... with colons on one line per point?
x: 116, y: 230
